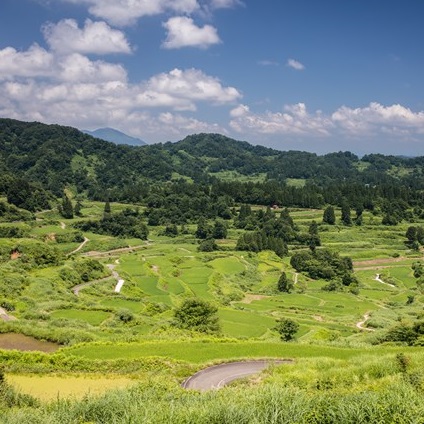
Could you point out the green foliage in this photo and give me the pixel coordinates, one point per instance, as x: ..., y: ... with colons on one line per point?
x: 324, y: 264
x: 345, y: 217
x: 197, y: 315
x: 10, y: 213
x: 287, y: 329
x: 125, y: 315
x: 404, y: 332
x: 329, y: 217
x: 208, y: 245
x: 284, y: 284
x: 82, y: 270
x: 32, y: 253
x: 13, y: 231
x: 127, y: 223
x: 70, y: 237
x: 22, y: 194
x: 66, y: 209
x: 219, y: 230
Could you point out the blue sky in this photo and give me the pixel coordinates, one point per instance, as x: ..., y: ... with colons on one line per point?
x: 311, y: 75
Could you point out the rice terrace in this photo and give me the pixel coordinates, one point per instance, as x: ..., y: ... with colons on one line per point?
x: 114, y: 292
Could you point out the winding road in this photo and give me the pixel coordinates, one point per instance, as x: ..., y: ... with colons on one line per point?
x: 220, y: 375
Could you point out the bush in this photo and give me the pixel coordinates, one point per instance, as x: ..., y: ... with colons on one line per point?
x: 287, y: 328
x: 125, y: 315
x: 197, y: 315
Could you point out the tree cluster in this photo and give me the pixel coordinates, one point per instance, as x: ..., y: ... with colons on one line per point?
x: 324, y: 264
x: 128, y: 223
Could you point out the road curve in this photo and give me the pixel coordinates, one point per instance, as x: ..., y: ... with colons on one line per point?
x: 218, y: 376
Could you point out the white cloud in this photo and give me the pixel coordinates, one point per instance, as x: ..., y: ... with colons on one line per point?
x: 78, y: 68
x: 291, y: 63
x: 95, y: 37
x: 371, y: 121
x: 192, y: 85
x: 374, y: 118
x: 85, y: 93
x: 295, y: 120
x: 127, y: 12
x: 182, y: 32
x: 239, y: 111
x: 31, y: 63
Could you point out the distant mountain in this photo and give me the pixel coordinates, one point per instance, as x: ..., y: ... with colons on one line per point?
x: 115, y: 136
x: 54, y: 157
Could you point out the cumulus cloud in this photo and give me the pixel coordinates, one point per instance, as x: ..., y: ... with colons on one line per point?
x: 371, y: 121
x: 85, y: 92
x: 294, y: 120
x: 378, y: 118
x: 291, y: 63
x: 192, y: 85
x: 239, y: 111
x: 127, y: 12
x: 95, y: 37
x: 78, y: 68
x: 34, y: 62
x: 182, y: 32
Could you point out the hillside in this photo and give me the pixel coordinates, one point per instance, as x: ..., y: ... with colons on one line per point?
x: 56, y: 157
x: 132, y: 268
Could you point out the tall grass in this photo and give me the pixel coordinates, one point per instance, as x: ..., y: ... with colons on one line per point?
x: 158, y: 403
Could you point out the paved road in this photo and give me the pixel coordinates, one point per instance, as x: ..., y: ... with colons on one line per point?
x: 218, y: 376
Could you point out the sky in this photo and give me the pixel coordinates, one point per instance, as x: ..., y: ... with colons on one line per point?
x: 312, y: 75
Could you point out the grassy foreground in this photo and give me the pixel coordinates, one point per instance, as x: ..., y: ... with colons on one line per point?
x: 385, y: 388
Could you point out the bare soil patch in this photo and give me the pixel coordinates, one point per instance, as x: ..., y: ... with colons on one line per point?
x: 249, y: 298
x: 10, y: 341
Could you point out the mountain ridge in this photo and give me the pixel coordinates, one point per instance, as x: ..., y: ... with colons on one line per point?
x: 115, y: 136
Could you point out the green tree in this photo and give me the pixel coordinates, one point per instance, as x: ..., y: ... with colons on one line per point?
x: 171, y: 230
x: 346, y: 219
x: 203, y: 230
x: 314, y: 239
x: 77, y: 209
x: 329, y: 217
x: 66, y: 209
x: 411, y: 234
x: 107, y: 210
x: 125, y: 315
x: 284, y: 284
x: 287, y: 328
x: 198, y: 315
x: 219, y: 230
x: 207, y: 245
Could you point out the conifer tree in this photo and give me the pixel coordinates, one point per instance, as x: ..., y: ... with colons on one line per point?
x: 329, y: 216
x: 66, y: 209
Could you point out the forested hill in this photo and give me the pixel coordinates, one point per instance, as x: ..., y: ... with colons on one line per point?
x: 46, y: 159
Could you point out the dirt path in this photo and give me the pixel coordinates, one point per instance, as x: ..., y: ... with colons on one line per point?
x: 120, y: 282
x: 86, y: 240
x: 377, y: 278
x: 76, y: 289
x: 360, y: 324
x: 96, y: 254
